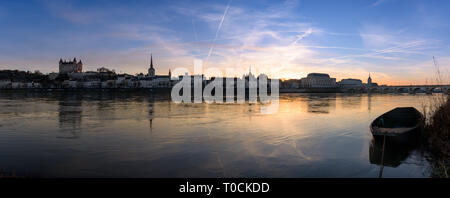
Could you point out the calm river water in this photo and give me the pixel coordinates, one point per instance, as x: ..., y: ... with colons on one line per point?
x: 145, y: 135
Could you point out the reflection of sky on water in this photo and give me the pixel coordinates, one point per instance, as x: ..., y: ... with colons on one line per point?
x: 136, y: 135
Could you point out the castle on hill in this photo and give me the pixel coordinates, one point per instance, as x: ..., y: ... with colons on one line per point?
x: 67, y: 67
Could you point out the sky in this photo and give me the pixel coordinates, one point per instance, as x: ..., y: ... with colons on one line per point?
x: 393, y: 40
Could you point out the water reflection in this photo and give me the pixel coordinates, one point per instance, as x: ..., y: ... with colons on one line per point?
x: 151, y: 109
x: 70, y: 115
x: 321, y: 103
x: 394, y: 153
x: 351, y: 101
x: 150, y: 114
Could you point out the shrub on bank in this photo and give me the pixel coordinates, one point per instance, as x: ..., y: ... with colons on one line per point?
x: 438, y: 137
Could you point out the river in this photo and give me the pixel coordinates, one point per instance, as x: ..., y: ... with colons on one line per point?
x: 146, y: 135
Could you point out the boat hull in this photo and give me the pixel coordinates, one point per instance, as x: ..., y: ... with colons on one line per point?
x: 399, y: 125
x: 408, y: 137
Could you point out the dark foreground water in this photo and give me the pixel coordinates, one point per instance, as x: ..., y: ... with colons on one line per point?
x: 145, y: 135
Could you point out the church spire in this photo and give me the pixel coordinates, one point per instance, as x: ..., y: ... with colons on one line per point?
x: 369, y: 80
x: 151, y: 60
x: 151, y: 70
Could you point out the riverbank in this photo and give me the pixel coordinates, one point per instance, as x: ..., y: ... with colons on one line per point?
x: 438, y: 139
x: 50, y: 90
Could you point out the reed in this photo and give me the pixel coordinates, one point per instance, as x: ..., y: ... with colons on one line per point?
x: 437, y: 138
x: 436, y: 134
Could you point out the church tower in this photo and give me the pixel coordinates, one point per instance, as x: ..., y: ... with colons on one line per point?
x: 151, y: 70
x: 369, y: 81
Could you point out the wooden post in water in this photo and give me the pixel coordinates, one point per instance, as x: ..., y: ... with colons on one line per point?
x: 382, y: 157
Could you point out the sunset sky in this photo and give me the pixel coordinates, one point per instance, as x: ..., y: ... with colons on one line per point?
x: 394, y: 40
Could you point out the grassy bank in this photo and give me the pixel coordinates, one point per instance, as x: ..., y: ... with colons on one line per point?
x: 437, y: 138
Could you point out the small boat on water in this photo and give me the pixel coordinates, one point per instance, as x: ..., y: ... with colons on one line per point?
x: 398, y: 125
x: 399, y: 122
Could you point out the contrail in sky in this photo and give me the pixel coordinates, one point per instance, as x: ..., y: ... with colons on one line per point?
x: 218, y: 30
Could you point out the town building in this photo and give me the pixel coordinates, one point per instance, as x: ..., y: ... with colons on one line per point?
x: 105, y: 70
x: 53, y: 75
x: 318, y: 80
x: 370, y: 83
x: 5, y: 83
x: 157, y: 80
x: 350, y: 83
x: 67, y: 67
x: 250, y: 79
x: 290, y: 84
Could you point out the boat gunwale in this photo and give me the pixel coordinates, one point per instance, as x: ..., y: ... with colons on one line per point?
x: 395, y: 131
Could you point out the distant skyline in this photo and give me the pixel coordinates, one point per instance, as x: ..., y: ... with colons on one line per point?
x: 393, y: 40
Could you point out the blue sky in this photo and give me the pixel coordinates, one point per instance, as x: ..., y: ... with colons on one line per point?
x: 394, y: 40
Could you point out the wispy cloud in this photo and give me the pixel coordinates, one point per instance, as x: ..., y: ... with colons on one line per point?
x: 73, y: 14
x: 377, y: 3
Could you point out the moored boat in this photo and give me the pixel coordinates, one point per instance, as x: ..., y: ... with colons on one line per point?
x: 398, y: 123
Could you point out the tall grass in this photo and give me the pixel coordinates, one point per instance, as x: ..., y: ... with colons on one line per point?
x: 437, y: 137
x: 436, y: 134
